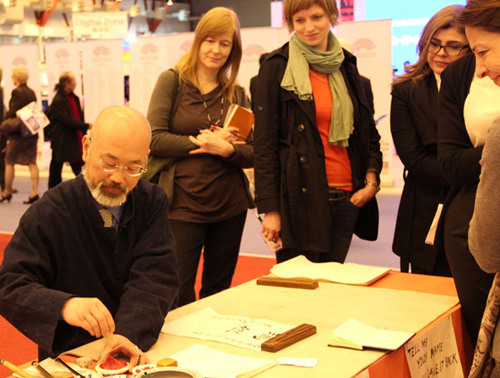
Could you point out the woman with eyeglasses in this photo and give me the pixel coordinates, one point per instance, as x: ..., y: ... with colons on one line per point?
x: 414, y: 127
x: 468, y: 104
x: 210, y: 192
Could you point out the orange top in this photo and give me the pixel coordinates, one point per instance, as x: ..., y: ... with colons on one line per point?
x: 338, y: 165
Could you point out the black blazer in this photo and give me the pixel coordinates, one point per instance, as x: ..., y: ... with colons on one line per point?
x: 457, y: 155
x: 414, y: 127
x: 63, y: 128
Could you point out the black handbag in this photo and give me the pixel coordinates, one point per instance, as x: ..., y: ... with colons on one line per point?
x: 11, y: 126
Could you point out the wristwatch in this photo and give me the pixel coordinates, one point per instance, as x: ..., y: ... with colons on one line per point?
x: 373, y: 183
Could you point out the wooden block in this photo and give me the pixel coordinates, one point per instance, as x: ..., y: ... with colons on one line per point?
x: 298, y: 283
x: 288, y: 338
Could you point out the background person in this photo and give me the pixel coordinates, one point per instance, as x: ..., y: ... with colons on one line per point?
x: 95, y: 255
x: 414, y: 127
x: 317, y: 163
x: 67, y: 128
x: 468, y: 105
x: 211, y: 196
x: 20, y: 150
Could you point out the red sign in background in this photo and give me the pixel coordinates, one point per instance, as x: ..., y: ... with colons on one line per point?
x: 347, y: 10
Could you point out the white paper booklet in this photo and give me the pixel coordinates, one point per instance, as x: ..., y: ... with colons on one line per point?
x: 241, y: 331
x: 354, y: 334
x: 347, y: 273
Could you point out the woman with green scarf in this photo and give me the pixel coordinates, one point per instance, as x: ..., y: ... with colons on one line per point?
x: 316, y: 150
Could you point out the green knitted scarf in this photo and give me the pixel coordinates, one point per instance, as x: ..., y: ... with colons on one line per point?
x: 296, y: 79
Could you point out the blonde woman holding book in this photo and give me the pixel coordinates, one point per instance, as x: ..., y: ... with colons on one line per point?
x: 210, y: 192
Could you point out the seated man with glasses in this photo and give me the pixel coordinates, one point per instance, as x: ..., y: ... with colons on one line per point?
x: 94, y: 257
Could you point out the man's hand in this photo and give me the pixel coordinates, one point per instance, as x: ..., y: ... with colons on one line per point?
x: 89, y: 314
x: 120, y: 344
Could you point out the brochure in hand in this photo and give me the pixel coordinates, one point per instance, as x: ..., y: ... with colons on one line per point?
x: 33, y: 119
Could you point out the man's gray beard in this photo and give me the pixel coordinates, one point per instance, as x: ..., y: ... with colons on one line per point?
x: 101, y: 197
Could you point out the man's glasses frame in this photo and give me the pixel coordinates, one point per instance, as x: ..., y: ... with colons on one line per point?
x: 108, y: 165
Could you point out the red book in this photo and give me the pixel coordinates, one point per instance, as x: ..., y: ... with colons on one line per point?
x: 241, y: 118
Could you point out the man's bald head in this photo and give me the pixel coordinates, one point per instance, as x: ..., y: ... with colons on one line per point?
x: 121, y: 122
x: 120, y: 137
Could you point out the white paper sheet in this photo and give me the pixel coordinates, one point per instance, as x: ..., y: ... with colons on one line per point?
x: 348, y: 273
x: 241, y: 331
x: 212, y: 363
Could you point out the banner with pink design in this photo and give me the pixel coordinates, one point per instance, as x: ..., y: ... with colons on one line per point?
x: 59, y: 58
x: 102, y: 63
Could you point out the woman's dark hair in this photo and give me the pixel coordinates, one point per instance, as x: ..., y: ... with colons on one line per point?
x: 484, y: 14
x: 63, y: 79
x: 444, y: 19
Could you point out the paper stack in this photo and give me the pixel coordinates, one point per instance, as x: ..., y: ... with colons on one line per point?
x: 348, y: 273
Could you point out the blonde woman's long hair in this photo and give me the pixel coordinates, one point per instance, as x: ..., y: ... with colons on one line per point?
x: 444, y: 19
x: 215, y: 22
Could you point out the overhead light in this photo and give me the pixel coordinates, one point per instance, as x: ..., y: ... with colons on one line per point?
x: 170, y: 3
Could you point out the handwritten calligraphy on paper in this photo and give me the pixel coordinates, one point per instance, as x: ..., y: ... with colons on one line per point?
x: 241, y: 331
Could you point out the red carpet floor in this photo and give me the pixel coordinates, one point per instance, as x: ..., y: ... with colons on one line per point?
x: 16, y: 348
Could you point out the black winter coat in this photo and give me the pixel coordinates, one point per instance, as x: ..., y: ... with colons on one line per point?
x: 289, y: 159
x: 414, y: 127
x: 63, y: 129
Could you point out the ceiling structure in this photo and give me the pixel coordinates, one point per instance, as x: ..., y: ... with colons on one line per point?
x: 155, y: 11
